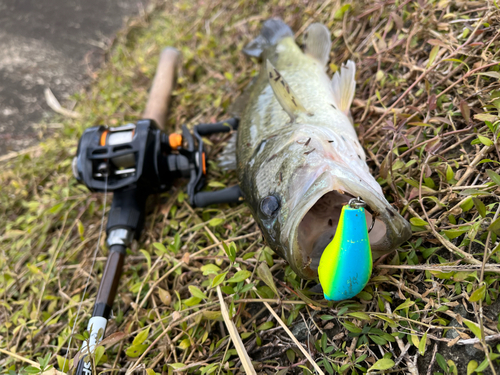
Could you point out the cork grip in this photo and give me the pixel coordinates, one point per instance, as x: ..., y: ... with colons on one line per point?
x: 163, y: 85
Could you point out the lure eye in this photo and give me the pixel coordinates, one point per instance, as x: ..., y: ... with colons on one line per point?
x: 269, y: 205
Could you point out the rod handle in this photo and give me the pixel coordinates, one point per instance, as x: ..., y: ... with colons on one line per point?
x: 162, y: 87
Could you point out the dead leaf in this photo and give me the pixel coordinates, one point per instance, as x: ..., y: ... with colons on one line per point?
x: 165, y: 296
x: 176, y: 315
x: 113, y: 339
x: 453, y: 342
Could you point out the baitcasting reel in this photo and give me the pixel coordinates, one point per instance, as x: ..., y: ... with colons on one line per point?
x: 143, y: 156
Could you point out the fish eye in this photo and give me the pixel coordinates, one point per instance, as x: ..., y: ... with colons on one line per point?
x: 269, y: 205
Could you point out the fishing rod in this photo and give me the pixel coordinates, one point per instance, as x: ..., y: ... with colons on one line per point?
x: 134, y: 161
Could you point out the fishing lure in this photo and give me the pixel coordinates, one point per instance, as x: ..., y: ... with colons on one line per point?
x: 346, y: 264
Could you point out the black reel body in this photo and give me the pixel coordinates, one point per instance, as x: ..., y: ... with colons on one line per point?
x: 143, y: 157
x: 133, y: 154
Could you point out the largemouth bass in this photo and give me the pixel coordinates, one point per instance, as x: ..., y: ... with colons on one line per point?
x: 299, y: 160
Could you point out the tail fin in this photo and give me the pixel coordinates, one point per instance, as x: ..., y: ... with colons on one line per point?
x: 273, y: 31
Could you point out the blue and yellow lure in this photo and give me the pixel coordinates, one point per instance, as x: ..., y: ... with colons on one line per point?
x: 346, y: 264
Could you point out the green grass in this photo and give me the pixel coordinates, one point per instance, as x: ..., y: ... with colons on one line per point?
x: 436, y: 156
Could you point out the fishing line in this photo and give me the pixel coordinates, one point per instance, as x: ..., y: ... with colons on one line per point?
x: 91, y: 268
x: 358, y: 202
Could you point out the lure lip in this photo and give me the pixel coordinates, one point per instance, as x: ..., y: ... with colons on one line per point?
x: 398, y: 230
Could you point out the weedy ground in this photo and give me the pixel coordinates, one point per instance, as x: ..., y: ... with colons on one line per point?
x: 426, y: 110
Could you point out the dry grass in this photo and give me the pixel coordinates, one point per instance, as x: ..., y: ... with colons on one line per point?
x: 427, y: 108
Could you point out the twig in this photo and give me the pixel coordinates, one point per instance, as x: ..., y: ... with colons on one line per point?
x: 441, y: 267
x: 433, y: 359
x: 53, y: 103
x: 14, y: 154
x: 233, y: 332
x: 366, y: 104
x: 477, y: 341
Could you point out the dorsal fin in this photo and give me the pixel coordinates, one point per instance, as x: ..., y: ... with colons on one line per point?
x: 317, y: 42
x: 343, y: 86
x: 284, y: 93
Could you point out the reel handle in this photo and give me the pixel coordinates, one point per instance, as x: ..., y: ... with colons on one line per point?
x: 162, y: 87
x: 229, y: 195
x: 218, y: 127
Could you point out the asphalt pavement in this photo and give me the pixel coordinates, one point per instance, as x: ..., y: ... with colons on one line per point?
x: 52, y: 44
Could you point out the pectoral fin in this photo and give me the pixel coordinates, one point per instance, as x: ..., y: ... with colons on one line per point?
x: 284, y: 94
x: 343, y: 86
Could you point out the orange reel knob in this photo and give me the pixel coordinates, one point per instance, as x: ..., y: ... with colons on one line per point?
x: 175, y: 140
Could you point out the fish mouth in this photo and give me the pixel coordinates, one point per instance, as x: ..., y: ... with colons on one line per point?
x: 315, y: 221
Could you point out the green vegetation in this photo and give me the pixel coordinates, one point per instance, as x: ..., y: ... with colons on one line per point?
x: 426, y: 109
